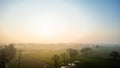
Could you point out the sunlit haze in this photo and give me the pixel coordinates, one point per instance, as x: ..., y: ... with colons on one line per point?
x: 59, y: 21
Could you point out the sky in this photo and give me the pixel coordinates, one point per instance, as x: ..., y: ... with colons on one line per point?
x: 60, y: 21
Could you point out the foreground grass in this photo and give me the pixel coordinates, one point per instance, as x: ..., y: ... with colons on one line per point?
x: 42, y: 59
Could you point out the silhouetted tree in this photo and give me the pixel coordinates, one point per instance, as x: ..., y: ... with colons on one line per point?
x: 20, y: 58
x: 86, y: 50
x: 97, y: 46
x: 56, y: 60
x: 115, y: 55
x: 64, y: 56
x: 7, y: 53
x: 72, y: 54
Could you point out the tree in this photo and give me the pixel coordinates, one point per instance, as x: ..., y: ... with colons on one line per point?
x: 64, y: 56
x: 72, y: 54
x: 56, y: 60
x: 115, y: 55
x: 7, y: 53
x: 97, y: 46
x: 86, y: 50
x: 20, y: 58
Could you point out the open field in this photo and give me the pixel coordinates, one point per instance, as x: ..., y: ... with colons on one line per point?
x: 42, y: 57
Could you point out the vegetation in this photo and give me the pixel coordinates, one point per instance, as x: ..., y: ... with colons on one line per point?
x: 56, y: 60
x: 80, y: 57
x: 115, y: 55
x: 86, y: 50
x: 72, y: 54
x: 64, y: 57
x: 7, y: 53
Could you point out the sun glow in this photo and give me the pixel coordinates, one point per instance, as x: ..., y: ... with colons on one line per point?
x: 55, y: 22
x: 46, y: 25
x: 47, y: 31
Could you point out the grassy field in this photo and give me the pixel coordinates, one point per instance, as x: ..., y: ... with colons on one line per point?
x: 98, y: 58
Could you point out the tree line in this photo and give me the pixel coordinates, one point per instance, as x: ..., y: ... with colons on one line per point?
x: 73, y: 56
x: 8, y: 53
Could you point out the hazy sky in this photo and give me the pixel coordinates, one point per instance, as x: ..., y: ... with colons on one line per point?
x: 55, y: 21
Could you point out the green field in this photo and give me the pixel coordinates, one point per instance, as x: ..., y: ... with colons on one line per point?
x: 42, y: 58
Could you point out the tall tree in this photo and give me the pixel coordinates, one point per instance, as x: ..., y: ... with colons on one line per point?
x: 56, y: 60
x: 64, y: 56
x: 20, y: 58
x: 86, y: 50
x: 7, y: 53
x: 72, y: 54
x: 115, y: 55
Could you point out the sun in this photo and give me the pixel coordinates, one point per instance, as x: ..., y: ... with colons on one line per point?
x: 46, y: 26
x: 46, y: 31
